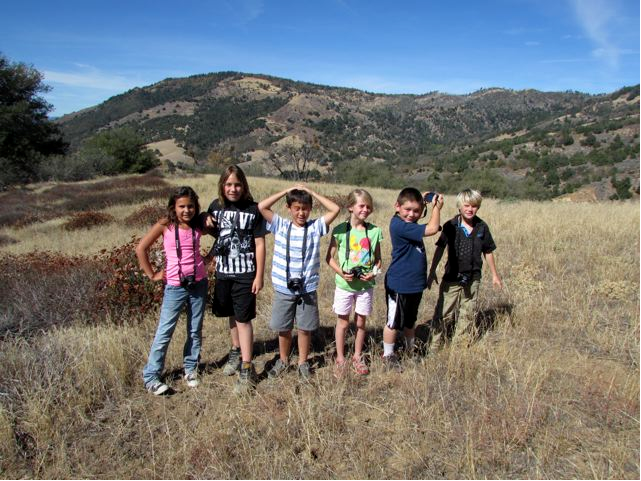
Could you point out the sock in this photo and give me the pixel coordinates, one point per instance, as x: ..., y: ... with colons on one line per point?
x: 388, y: 349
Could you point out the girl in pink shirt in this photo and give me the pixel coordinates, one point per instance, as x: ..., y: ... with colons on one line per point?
x: 185, y: 278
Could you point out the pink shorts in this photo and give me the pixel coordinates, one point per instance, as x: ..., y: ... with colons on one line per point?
x: 345, y: 300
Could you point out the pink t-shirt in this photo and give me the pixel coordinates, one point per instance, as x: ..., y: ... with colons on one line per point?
x: 187, y: 255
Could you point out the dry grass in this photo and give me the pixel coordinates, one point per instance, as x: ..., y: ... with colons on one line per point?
x: 550, y: 391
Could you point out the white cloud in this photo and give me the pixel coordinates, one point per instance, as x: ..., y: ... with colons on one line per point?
x: 90, y: 77
x: 595, y: 17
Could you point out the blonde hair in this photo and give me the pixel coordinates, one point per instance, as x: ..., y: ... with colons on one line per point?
x: 356, y: 194
x: 469, y: 196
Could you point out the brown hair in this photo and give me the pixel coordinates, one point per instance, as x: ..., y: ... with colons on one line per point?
x: 184, y: 191
x: 240, y: 175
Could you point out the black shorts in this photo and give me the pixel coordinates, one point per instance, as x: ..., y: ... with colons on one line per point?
x: 402, y: 309
x: 234, y: 298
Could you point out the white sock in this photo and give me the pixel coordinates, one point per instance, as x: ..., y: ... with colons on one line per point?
x: 388, y: 349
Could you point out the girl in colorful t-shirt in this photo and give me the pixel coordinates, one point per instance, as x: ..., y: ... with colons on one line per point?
x: 355, y: 255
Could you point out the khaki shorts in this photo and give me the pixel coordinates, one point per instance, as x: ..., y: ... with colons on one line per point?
x: 302, y: 307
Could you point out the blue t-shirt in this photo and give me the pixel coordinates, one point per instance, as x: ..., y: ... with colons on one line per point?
x: 407, y: 273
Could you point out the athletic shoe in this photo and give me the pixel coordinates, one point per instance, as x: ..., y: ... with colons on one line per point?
x: 157, y: 387
x: 233, y: 362
x: 191, y: 378
x: 391, y: 363
x: 246, y: 379
x: 277, y: 369
x: 304, y: 371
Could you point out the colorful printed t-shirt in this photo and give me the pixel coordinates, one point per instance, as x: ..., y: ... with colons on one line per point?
x: 362, y: 245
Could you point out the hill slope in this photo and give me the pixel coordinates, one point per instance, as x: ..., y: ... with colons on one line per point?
x: 508, y: 143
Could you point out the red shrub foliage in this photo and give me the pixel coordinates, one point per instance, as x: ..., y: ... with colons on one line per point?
x: 87, y: 220
x: 147, y: 215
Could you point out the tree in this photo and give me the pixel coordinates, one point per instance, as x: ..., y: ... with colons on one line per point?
x: 295, y: 162
x: 27, y: 136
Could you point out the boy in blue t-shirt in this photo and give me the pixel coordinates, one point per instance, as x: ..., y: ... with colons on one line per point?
x: 406, y: 277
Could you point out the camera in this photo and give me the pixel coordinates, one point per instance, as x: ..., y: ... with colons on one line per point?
x: 188, y: 282
x: 221, y: 249
x: 295, y: 284
x: 463, y: 279
x: 357, y: 272
x: 429, y: 197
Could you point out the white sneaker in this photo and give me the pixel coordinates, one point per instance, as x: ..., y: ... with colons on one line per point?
x: 191, y: 378
x: 157, y: 387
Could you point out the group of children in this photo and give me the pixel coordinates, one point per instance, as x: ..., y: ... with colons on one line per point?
x: 239, y: 225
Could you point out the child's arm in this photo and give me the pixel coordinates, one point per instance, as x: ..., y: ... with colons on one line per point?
x: 265, y: 205
x: 378, y: 262
x: 333, y: 209
x: 496, y: 279
x: 142, y: 252
x: 434, y: 224
x: 260, y: 265
x: 330, y: 258
x: 438, y: 254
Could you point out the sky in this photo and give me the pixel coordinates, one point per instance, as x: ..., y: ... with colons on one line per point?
x: 89, y: 51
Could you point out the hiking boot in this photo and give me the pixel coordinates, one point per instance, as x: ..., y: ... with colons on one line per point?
x: 191, y: 378
x: 359, y: 366
x: 277, y: 369
x: 304, y: 371
x: 233, y: 362
x: 246, y: 379
x: 157, y: 387
x: 391, y: 363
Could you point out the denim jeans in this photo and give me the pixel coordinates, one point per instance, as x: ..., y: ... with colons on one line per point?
x: 173, y: 301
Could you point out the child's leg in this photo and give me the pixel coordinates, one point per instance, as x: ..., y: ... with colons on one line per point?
x: 359, y: 342
x: 284, y: 345
x: 195, y: 314
x: 410, y: 336
x: 172, y: 304
x: 466, y: 322
x: 233, y: 332
x: 304, y: 343
x: 341, y: 330
x: 245, y: 332
x: 450, y: 292
x: 389, y: 339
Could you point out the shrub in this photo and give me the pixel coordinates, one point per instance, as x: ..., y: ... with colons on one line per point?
x: 147, y: 215
x: 87, y: 220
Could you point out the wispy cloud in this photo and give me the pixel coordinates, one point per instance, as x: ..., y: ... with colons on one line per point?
x: 90, y: 77
x: 595, y: 18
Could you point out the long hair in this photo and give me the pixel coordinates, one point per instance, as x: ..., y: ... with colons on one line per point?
x: 184, y: 191
x: 240, y: 175
x: 355, y: 195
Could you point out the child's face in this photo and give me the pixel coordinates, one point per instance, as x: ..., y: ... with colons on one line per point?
x: 409, y: 211
x: 361, y: 210
x: 185, y: 209
x: 299, y: 213
x: 233, y: 189
x: 468, y: 211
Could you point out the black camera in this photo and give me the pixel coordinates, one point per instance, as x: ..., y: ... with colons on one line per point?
x: 188, y: 282
x: 463, y: 279
x: 295, y: 284
x: 429, y: 197
x: 221, y: 249
x: 357, y: 272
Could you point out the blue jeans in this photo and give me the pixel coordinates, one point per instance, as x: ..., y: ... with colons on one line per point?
x: 172, y: 304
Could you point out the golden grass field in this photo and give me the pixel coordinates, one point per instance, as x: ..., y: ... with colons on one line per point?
x: 551, y: 390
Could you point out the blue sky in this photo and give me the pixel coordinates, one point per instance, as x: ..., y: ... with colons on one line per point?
x: 90, y: 50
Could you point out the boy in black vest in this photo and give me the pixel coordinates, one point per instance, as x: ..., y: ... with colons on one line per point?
x: 468, y: 239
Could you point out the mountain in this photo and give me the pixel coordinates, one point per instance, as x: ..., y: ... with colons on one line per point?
x: 507, y: 143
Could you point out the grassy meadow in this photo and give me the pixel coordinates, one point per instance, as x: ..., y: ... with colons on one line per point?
x: 550, y: 390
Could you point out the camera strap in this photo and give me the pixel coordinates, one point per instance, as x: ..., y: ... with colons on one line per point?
x: 179, y: 250
x: 347, y: 242
x: 302, y: 267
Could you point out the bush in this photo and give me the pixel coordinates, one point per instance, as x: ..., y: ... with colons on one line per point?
x: 147, y: 215
x: 87, y: 220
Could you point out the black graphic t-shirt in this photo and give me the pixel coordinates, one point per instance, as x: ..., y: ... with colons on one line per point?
x: 237, y: 226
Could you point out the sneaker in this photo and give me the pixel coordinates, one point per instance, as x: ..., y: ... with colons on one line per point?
x: 191, y: 378
x: 277, y: 369
x: 233, y: 362
x: 391, y: 363
x: 304, y: 371
x: 359, y: 366
x: 157, y: 387
x: 246, y: 379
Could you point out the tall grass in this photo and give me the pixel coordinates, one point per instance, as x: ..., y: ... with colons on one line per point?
x: 551, y: 389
